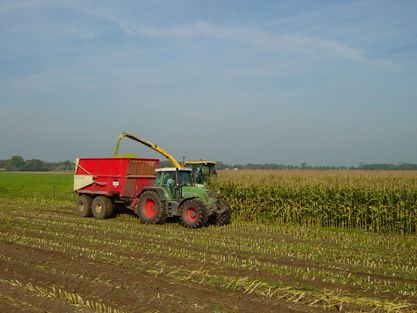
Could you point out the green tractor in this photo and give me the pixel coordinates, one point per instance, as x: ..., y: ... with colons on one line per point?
x: 175, y: 193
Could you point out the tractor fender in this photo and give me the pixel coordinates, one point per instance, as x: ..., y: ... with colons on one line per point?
x: 185, y: 199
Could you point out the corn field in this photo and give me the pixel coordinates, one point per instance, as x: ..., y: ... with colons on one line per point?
x: 375, y: 201
x: 55, y: 261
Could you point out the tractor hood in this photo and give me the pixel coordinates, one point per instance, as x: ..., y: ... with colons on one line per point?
x: 205, y: 195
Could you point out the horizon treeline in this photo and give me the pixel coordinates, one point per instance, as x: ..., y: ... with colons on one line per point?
x: 18, y: 163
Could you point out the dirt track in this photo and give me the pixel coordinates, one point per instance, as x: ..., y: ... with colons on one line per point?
x: 55, y: 262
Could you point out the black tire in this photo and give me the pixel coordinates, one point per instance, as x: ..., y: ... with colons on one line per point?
x: 223, y: 215
x: 193, y: 214
x: 150, y: 208
x: 102, y: 207
x: 83, y: 206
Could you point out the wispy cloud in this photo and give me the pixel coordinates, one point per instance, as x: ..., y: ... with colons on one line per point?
x: 307, y: 70
x: 290, y: 42
x: 298, y: 43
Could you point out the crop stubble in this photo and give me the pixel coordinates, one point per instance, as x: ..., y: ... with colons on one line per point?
x: 53, y: 261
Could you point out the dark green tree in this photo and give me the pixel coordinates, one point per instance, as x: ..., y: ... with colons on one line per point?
x: 16, y: 163
x: 35, y: 165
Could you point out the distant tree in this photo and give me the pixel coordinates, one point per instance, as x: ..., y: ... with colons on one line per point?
x: 220, y: 165
x: 3, y: 163
x: 68, y: 166
x: 16, y: 163
x: 165, y: 163
x: 35, y: 165
x: 389, y: 166
x: 60, y: 166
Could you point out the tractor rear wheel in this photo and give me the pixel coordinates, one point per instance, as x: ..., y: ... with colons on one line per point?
x: 83, y: 206
x: 193, y: 214
x: 223, y: 214
x: 150, y: 208
x: 102, y: 207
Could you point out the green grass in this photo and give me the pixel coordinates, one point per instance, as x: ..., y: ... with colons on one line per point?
x: 36, y: 185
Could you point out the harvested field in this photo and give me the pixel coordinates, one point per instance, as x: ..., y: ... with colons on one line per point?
x: 53, y: 261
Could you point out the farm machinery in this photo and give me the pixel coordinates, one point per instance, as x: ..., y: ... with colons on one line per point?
x: 153, y: 193
x: 202, y: 170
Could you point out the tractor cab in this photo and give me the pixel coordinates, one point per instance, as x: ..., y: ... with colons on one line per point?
x: 202, y: 170
x: 170, y: 176
x: 172, y: 180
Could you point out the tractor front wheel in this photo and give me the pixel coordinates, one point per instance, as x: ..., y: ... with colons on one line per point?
x: 223, y: 214
x: 150, y: 208
x: 102, y: 207
x: 83, y: 206
x: 193, y: 214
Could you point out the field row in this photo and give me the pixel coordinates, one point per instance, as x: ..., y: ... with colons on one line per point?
x: 166, y: 268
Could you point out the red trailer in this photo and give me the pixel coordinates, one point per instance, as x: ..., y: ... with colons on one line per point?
x: 102, y: 182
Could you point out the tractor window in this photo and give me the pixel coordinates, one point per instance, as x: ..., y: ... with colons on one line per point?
x: 158, y: 179
x: 185, y: 179
x: 165, y: 179
x: 169, y: 179
x: 205, y: 170
x: 198, y: 175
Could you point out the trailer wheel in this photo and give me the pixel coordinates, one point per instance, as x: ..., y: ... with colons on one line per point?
x: 150, y: 208
x: 223, y: 214
x: 193, y: 214
x: 83, y: 206
x: 102, y: 207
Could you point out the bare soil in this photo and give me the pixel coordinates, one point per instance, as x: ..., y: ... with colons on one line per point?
x: 114, y: 265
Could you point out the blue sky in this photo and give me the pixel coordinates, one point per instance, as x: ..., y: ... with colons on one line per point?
x: 322, y: 82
